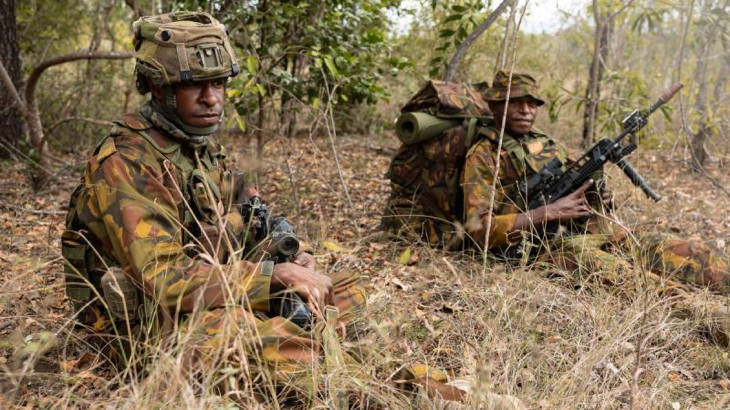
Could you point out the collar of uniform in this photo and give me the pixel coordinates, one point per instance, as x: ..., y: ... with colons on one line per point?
x: 532, y: 142
x: 160, y: 120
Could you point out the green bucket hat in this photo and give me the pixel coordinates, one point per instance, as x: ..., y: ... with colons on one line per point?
x: 522, y: 85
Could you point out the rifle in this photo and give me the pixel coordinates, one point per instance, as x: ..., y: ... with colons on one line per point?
x: 277, y: 242
x: 552, y: 183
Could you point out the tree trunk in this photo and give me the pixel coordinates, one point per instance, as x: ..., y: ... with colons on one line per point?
x: 595, y: 75
x: 262, y: 113
x: 27, y: 105
x: 11, y: 122
x: 704, y: 125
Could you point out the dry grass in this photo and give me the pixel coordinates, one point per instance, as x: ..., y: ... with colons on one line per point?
x: 552, y: 340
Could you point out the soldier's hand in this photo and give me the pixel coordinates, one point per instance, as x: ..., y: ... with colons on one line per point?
x: 316, y: 289
x: 305, y: 259
x: 607, y: 197
x: 573, y: 206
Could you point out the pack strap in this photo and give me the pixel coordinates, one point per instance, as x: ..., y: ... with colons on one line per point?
x: 471, y: 131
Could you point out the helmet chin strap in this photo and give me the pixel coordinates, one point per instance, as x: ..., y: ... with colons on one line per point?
x: 169, y: 110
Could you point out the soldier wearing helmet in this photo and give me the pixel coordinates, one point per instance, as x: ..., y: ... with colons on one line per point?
x: 152, y: 232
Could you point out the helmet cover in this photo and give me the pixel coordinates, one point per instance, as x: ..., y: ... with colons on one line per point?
x: 181, y: 47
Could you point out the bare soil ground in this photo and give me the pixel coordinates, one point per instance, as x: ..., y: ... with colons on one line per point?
x: 549, y: 339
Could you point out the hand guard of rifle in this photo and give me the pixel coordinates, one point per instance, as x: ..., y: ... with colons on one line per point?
x: 276, y: 241
x: 552, y: 183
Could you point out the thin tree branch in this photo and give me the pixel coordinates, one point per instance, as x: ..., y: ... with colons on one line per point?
x: 77, y: 55
x: 138, y: 12
x: 8, y: 83
x: 619, y: 11
x: 464, y: 46
x: 503, y: 120
x: 58, y: 123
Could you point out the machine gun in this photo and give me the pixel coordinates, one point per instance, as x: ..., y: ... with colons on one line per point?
x: 276, y: 241
x: 552, y: 183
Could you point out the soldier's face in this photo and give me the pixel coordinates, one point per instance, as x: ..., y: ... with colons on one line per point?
x: 521, y: 114
x: 200, y: 104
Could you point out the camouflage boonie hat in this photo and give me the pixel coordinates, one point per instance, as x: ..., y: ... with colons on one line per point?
x: 182, y: 47
x: 522, y: 85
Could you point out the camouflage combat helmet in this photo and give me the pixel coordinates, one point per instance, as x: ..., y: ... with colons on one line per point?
x: 522, y: 85
x: 181, y: 47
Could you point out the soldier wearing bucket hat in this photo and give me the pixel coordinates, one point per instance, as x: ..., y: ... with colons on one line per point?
x: 520, y: 85
x: 524, y: 151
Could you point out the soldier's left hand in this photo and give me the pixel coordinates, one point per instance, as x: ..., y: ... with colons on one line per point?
x: 306, y: 259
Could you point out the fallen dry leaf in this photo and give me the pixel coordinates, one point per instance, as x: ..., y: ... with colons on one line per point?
x: 83, y: 362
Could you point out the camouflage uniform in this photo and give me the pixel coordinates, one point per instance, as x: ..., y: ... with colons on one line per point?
x: 597, y: 249
x: 156, y: 201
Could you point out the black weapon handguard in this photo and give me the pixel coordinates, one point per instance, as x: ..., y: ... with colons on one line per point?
x: 637, y: 180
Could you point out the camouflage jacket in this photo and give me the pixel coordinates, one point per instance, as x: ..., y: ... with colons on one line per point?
x: 520, y: 158
x: 142, y: 198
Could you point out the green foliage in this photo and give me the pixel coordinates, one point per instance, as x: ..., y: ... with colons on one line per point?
x: 335, y: 51
x: 456, y: 22
x: 92, y: 89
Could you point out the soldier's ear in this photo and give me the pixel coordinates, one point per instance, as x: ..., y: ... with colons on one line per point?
x: 496, y: 107
x: 156, y: 91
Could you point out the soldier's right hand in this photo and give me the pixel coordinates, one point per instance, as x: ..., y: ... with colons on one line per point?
x: 573, y: 206
x: 316, y: 289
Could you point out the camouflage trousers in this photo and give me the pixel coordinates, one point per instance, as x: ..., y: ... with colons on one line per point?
x: 274, y: 353
x: 669, y: 264
x: 212, y: 339
x: 275, y: 342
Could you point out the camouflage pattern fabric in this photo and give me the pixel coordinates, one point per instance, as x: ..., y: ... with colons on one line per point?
x: 520, y: 157
x: 425, y: 198
x: 448, y: 100
x: 595, y: 252
x: 182, y: 47
x: 522, y: 85
x: 143, y: 204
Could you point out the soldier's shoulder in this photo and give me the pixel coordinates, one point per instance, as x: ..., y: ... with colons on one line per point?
x: 134, y: 135
x: 483, y: 146
x: 127, y: 133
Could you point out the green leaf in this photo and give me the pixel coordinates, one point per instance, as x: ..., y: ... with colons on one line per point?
x: 459, y: 8
x: 241, y: 123
x: 405, y: 257
x: 453, y: 17
x: 446, y: 33
x: 261, y: 89
x: 331, y: 65
x: 333, y: 246
x: 252, y: 64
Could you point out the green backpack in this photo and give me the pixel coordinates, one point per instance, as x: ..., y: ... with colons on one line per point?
x: 436, y: 127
